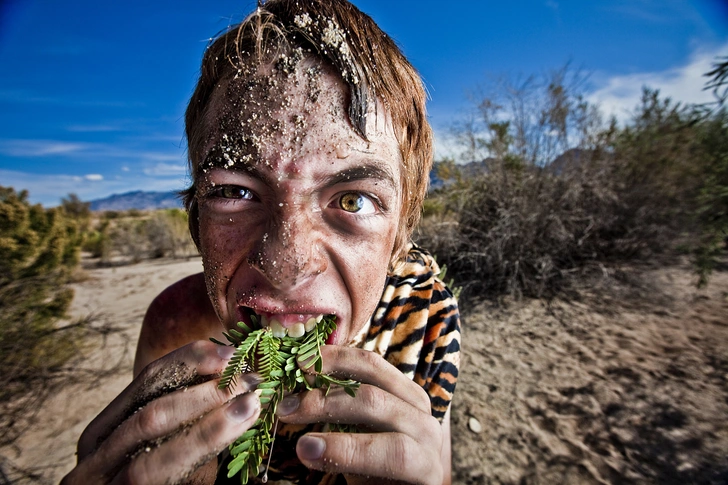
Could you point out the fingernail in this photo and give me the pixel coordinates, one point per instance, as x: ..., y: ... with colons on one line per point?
x: 243, y: 407
x: 252, y: 379
x: 288, y: 405
x: 310, y: 447
x: 225, y: 351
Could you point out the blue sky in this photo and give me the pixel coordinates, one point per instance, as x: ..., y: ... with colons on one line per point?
x: 92, y: 94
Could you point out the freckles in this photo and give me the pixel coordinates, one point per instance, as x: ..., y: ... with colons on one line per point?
x: 216, y: 248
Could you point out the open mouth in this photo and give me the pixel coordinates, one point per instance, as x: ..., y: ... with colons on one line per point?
x: 281, y: 324
x: 298, y: 327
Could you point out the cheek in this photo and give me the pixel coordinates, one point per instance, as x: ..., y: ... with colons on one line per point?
x: 367, y: 262
x: 223, y: 245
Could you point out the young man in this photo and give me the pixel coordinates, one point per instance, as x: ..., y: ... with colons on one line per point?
x: 309, y: 153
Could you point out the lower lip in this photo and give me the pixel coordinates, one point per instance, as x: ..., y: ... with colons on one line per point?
x: 332, y: 338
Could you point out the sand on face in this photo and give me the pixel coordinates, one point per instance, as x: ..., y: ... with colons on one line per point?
x: 117, y: 296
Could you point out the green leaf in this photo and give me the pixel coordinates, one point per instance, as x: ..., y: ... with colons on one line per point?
x: 276, y: 361
x: 244, y: 327
x: 241, y: 447
x: 236, y: 465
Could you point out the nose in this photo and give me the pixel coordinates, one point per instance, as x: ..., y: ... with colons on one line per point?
x: 290, y: 251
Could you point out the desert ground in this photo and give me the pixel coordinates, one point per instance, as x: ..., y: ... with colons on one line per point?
x: 624, y: 383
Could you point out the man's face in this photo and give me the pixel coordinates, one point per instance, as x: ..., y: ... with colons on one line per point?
x: 298, y: 214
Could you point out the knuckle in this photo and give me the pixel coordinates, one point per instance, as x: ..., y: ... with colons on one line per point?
x: 371, y: 397
x: 200, y: 347
x: 133, y: 474
x: 212, y: 433
x: 149, y: 421
x: 407, y: 456
x: 372, y: 359
x: 150, y: 371
x: 347, y: 452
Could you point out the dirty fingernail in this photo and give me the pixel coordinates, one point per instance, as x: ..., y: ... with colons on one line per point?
x: 288, y: 405
x: 225, y: 352
x: 310, y: 448
x: 252, y: 379
x: 243, y: 407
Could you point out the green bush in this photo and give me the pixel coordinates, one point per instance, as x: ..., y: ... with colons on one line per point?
x: 38, y: 250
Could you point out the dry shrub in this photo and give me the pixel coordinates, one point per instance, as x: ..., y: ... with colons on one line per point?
x: 135, y: 236
x: 527, y: 231
x: 558, y: 196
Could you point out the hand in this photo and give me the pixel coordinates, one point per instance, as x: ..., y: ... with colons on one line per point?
x: 400, y: 440
x: 167, y: 423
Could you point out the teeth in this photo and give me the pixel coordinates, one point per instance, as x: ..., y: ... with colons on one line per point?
x: 277, y: 329
x: 296, y: 330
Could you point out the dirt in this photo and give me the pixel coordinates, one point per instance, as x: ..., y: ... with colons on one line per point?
x: 621, y: 386
x: 629, y: 388
x: 119, y: 297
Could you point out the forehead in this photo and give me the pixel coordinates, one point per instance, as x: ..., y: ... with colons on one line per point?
x: 293, y: 106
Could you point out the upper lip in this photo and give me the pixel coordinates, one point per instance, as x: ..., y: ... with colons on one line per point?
x: 272, y: 310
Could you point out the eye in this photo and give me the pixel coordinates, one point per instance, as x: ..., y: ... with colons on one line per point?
x: 232, y: 192
x: 356, y: 203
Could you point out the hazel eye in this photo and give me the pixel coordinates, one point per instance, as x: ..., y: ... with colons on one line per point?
x: 354, y: 202
x: 351, y: 202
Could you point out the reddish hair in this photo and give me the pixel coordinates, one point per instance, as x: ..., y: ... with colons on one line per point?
x: 368, y: 61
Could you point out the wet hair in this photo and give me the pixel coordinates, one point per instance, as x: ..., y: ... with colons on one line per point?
x: 368, y: 61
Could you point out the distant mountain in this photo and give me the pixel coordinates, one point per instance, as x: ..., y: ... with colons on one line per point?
x: 137, y: 200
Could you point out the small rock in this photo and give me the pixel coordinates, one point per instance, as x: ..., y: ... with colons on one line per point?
x: 475, y: 426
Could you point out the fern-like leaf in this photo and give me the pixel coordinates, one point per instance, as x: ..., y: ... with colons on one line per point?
x: 275, y: 359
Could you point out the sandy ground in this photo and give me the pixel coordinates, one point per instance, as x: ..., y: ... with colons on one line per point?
x: 635, y: 392
x: 117, y: 296
x: 626, y: 388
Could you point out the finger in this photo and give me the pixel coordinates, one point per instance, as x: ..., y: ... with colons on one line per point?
x: 177, y: 459
x: 386, y: 455
x: 183, y: 367
x: 160, y: 418
x: 371, y: 368
x: 372, y: 407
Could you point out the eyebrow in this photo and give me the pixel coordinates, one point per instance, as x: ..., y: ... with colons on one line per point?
x: 363, y: 172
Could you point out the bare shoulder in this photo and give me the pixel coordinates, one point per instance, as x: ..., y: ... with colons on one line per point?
x: 180, y: 314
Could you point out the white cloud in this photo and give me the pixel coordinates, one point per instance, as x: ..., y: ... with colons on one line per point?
x: 88, y: 152
x: 92, y: 128
x: 619, y: 95
x: 48, y: 189
x: 166, y: 169
x: 94, y: 177
x: 446, y: 146
x: 39, y: 148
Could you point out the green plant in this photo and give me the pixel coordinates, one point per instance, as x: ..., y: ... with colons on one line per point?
x: 276, y: 360
x: 39, y: 248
